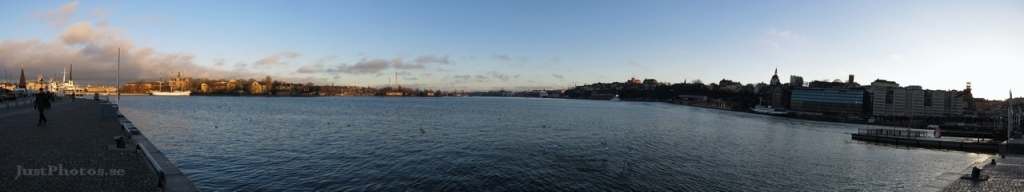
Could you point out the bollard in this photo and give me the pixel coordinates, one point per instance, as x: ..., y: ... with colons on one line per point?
x: 975, y: 173
x: 993, y: 162
x: 120, y: 141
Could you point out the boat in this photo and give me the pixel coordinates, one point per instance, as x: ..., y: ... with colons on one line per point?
x: 768, y: 110
x: 172, y: 92
x: 616, y: 99
x: 543, y: 94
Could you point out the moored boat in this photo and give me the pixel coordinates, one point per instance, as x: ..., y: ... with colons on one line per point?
x: 769, y: 110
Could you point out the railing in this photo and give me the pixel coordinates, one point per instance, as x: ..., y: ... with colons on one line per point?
x: 894, y: 133
x: 159, y: 170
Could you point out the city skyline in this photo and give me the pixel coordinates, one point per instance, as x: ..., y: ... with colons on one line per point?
x: 522, y: 44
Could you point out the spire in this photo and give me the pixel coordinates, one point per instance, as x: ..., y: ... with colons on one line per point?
x: 776, y: 70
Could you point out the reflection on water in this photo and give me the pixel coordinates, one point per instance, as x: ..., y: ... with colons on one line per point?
x: 472, y: 144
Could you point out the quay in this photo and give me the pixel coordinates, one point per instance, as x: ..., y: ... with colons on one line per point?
x: 86, y: 145
x: 925, y: 139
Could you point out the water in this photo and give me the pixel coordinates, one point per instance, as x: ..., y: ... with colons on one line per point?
x: 501, y: 144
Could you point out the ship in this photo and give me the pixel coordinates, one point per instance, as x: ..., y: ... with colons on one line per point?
x: 171, y: 92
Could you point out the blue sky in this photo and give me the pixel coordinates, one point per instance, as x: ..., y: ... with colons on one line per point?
x: 517, y: 45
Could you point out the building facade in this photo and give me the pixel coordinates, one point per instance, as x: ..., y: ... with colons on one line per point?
x: 889, y: 99
x: 833, y: 101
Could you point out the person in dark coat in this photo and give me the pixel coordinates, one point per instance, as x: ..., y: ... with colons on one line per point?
x: 42, y: 103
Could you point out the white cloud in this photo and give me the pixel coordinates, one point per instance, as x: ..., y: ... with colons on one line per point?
x: 277, y: 59
x: 58, y: 18
x: 433, y: 59
x: 785, y: 34
x: 502, y: 57
x: 771, y: 43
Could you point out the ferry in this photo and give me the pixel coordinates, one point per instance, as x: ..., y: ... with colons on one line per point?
x: 616, y: 99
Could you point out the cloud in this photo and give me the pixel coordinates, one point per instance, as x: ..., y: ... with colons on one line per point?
x: 497, y: 75
x: 398, y: 64
x: 362, y: 67
x: 95, y: 50
x: 557, y: 76
x: 310, y: 69
x: 556, y: 59
x: 241, y: 64
x: 524, y: 59
x: 277, y: 59
x: 463, y: 77
x: 634, y: 64
x: 59, y: 17
x: 433, y: 59
x: 501, y: 57
x: 771, y: 43
x: 785, y: 34
x: 218, y: 62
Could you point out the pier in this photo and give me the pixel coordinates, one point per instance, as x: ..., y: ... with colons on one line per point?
x: 86, y: 145
x: 925, y: 139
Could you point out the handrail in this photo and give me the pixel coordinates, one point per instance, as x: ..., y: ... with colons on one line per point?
x: 159, y: 170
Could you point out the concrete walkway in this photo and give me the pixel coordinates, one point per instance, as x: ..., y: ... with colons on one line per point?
x: 1006, y: 175
x: 72, y: 152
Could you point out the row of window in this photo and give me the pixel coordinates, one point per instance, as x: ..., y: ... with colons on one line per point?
x: 833, y: 101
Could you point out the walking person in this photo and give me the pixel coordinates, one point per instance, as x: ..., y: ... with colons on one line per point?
x: 42, y: 103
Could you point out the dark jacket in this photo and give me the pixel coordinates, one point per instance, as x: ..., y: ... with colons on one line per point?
x: 42, y: 101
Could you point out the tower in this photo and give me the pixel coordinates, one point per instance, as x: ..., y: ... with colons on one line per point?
x: 775, y: 78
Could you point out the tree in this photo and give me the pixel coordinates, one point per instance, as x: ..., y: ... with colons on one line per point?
x: 697, y: 81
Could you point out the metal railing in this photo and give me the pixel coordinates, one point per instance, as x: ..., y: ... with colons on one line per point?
x: 159, y: 170
x: 894, y: 133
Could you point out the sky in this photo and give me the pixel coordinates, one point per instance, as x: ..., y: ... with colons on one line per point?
x: 521, y: 44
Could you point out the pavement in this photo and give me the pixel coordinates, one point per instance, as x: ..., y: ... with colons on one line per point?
x: 73, y: 151
x: 1006, y: 175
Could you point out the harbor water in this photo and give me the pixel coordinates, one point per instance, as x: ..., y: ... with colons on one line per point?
x: 529, y: 144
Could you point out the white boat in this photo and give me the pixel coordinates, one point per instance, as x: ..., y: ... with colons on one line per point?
x: 543, y: 94
x: 768, y: 110
x: 171, y: 93
x: 616, y: 98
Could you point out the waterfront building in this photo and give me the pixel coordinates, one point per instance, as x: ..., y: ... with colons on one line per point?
x: 796, y: 81
x: 832, y: 101
x: 729, y: 86
x: 882, y: 97
x: 650, y: 84
x: 256, y: 88
x: 779, y: 93
x: 889, y: 99
x: 178, y: 83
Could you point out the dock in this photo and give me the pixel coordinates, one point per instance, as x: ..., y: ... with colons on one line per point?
x: 86, y: 145
x: 925, y: 139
